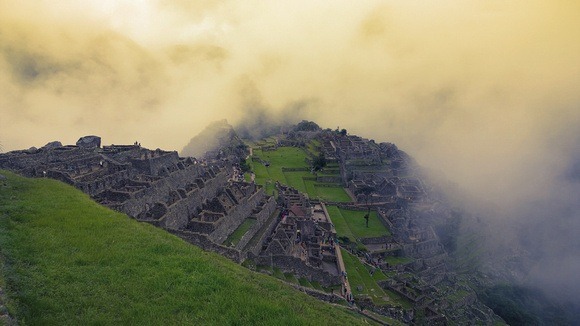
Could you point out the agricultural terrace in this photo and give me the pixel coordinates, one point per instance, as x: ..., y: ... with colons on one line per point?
x: 290, y: 166
x: 352, y: 224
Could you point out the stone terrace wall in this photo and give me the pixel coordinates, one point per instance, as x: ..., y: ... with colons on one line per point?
x: 261, y: 218
x: 384, y: 219
x: 178, y: 214
x: 60, y: 176
x: 99, y: 185
x: 205, y: 243
x: 163, y: 161
x: 376, y: 240
x: 152, y: 165
x: 329, y: 179
x: 296, y: 266
x: 269, y: 228
x: 328, y: 297
x: 159, y: 191
x: 237, y: 216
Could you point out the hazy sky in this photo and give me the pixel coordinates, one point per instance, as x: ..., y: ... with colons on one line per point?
x: 480, y: 90
x: 485, y: 91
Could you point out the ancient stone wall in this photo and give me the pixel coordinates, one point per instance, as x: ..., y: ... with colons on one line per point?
x: 376, y: 240
x: 261, y: 218
x: 384, y: 220
x: 60, y: 176
x: 153, y: 165
x: 99, y: 185
x: 163, y: 161
x: 205, y: 243
x: 329, y: 179
x: 296, y: 266
x: 160, y: 189
x: 236, y: 216
x: 180, y: 212
x: 328, y: 297
x: 269, y: 228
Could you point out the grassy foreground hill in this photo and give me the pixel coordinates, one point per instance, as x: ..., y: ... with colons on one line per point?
x: 68, y: 260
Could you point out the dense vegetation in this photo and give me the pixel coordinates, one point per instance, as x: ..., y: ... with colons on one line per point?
x: 68, y: 260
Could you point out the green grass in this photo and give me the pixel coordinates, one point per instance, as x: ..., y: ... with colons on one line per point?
x: 359, y: 275
x: 68, y: 260
x: 296, y: 181
x: 289, y: 277
x: 352, y: 224
x: 313, y: 147
x: 237, y: 235
x: 284, y: 157
x: 278, y: 273
x: 342, y: 229
x: 304, y: 282
x: 333, y: 194
x: 292, y: 157
x: 317, y: 286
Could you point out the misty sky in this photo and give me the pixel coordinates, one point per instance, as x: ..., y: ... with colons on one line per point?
x: 486, y: 92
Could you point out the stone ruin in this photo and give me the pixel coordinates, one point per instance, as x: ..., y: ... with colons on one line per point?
x: 195, y: 199
x: 304, y: 240
x: 206, y: 201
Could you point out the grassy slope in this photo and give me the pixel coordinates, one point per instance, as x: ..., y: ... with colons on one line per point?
x: 72, y: 261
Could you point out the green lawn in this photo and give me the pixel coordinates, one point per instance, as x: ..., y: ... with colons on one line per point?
x: 296, y: 181
x: 352, y: 224
x: 68, y: 260
x: 333, y: 194
x: 293, y: 157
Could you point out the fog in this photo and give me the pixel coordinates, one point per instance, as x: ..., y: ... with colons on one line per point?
x: 483, y: 93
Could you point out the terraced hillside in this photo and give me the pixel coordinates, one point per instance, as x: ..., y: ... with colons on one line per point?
x: 68, y: 260
x: 290, y: 166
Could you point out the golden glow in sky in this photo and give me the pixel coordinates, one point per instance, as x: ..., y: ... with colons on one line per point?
x: 472, y: 88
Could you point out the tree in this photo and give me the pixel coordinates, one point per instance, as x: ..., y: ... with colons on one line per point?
x: 319, y: 162
x: 367, y: 217
x: 244, y: 166
x: 343, y: 132
x: 367, y: 192
x: 305, y: 125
